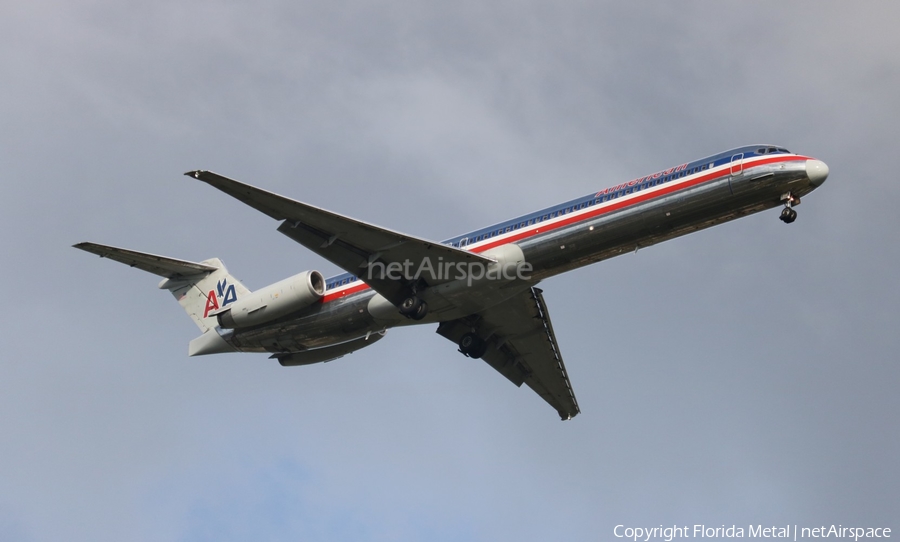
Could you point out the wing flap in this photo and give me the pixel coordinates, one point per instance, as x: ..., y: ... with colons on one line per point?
x: 522, y: 347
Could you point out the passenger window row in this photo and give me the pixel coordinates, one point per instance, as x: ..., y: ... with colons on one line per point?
x: 531, y: 222
x: 342, y: 282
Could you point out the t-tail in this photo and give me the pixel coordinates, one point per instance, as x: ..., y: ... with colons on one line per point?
x: 202, y: 289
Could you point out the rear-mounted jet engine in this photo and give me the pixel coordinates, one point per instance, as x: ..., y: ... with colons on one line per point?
x: 274, y: 301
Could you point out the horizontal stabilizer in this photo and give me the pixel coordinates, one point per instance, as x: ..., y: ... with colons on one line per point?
x: 202, y: 289
x: 158, y: 265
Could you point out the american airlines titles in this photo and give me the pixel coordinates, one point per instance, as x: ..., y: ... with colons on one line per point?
x: 639, y: 180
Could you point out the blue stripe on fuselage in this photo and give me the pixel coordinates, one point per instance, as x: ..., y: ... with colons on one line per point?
x: 642, y: 183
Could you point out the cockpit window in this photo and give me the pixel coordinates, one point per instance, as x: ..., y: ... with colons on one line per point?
x: 771, y: 150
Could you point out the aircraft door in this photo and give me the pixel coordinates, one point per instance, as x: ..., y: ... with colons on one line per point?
x: 737, y: 169
x: 737, y: 165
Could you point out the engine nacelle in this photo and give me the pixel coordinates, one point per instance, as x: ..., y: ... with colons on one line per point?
x: 274, y: 301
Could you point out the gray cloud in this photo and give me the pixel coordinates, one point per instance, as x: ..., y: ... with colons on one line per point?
x: 741, y: 374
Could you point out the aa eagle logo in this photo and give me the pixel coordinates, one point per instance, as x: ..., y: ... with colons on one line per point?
x: 223, y: 291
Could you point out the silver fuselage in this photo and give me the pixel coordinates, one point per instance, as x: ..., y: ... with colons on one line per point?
x: 632, y: 215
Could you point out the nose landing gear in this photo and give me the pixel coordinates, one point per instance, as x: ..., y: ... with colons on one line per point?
x: 789, y: 215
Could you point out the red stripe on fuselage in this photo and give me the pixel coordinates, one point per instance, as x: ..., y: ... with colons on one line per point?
x: 637, y: 197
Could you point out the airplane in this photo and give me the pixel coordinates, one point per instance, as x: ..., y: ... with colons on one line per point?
x: 480, y: 288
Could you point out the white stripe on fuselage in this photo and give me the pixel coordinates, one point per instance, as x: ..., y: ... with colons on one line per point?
x: 536, y: 228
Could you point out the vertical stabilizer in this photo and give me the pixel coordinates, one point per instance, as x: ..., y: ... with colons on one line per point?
x: 201, y: 289
x: 202, y: 296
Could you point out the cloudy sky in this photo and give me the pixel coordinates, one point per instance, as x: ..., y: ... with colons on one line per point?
x: 744, y: 374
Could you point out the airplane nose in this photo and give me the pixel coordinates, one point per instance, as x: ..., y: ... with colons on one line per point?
x: 817, y: 171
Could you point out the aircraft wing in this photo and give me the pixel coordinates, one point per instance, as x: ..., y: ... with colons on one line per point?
x: 158, y: 265
x: 522, y: 347
x: 350, y: 244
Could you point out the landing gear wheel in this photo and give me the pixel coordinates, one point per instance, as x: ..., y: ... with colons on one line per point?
x: 410, y: 305
x: 421, y: 312
x: 471, y: 345
x: 788, y: 215
x: 413, y: 307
